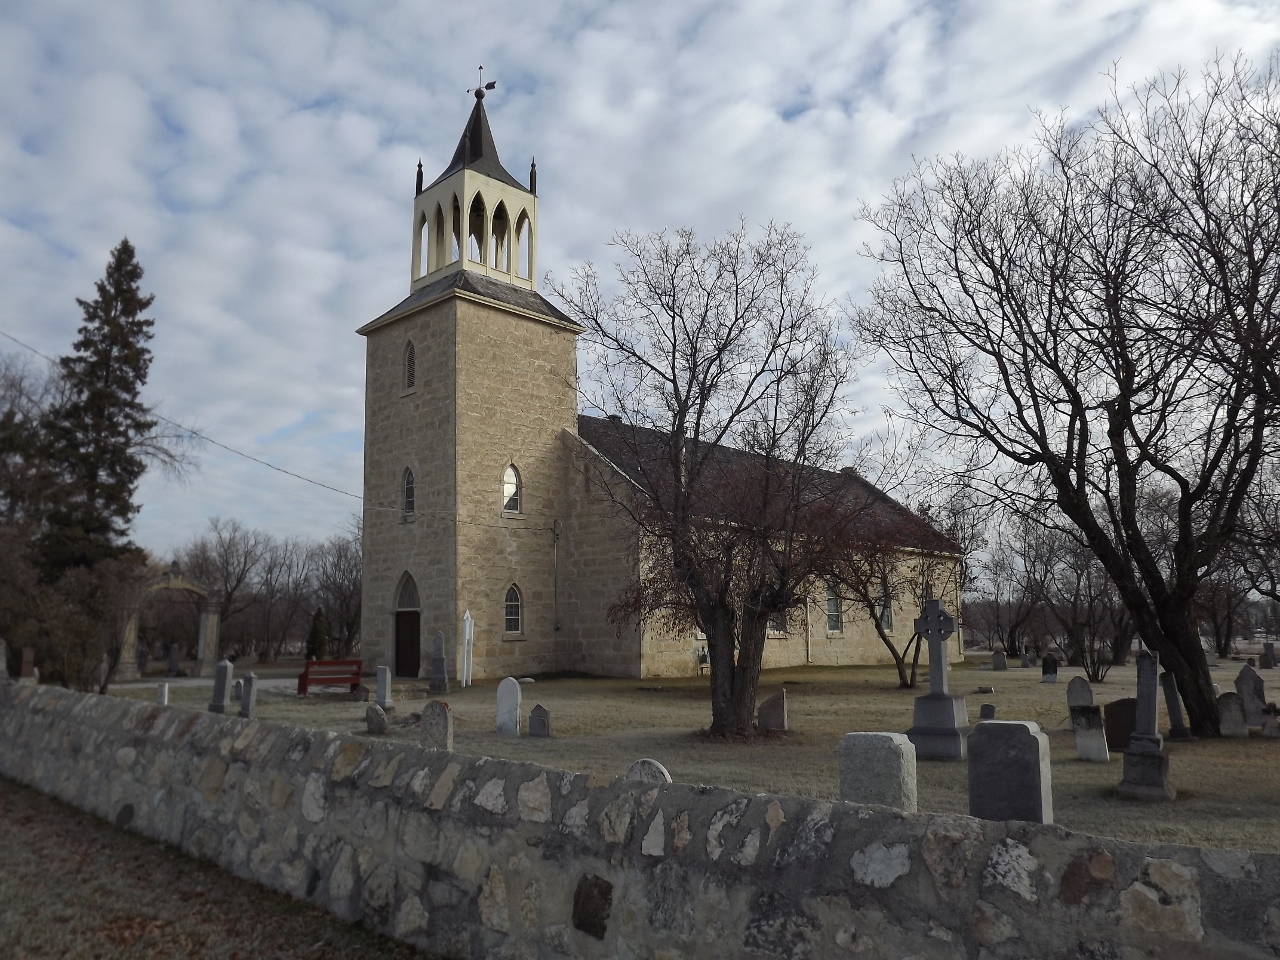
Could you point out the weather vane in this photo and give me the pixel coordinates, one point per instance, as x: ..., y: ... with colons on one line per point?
x: 479, y: 90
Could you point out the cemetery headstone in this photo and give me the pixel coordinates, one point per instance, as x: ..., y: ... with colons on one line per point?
x: 999, y: 661
x: 509, y: 707
x: 27, y: 670
x: 1217, y: 689
x: 987, y: 711
x: 439, y: 671
x: 1268, y: 659
x: 1231, y: 718
x: 222, y: 678
x: 1270, y: 727
x: 1146, y: 762
x: 1091, y: 735
x: 1178, y: 729
x: 1026, y: 660
x: 1079, y: 694
x: 237, y: 690
x: 1049, y: 669
x: 878, y: 768
x: 1009, y: 776
x: 648, y: 771
x: 249, y: 696
x: 436, y: 729
x: 772, y: 712
x: 1253, y: 692
x: 383, y: 699
x: 162, y: 694
x: 539, y: 721
x: 941, y: 724
x: 1119, y: 717
x: 376, y: 719
x: 175, y: 660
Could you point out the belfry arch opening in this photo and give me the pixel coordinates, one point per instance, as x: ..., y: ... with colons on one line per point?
x: 500, y: 247
x: 477, y: 229
x: 455, y: 246
x: 439, y: 246
x: 523, y: 250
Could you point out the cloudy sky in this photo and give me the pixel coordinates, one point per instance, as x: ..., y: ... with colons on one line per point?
x: 261, y: 155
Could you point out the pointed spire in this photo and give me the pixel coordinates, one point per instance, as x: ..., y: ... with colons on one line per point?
x: 476, y: 149
x: 533, y: 175
x: 419, y: 185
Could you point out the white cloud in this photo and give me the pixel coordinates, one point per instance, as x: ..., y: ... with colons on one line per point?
x: 261, y: 157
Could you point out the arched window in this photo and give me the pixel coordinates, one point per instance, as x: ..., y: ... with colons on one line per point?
x: 511, y: 490
x: 477, y: 228
x: 408, y: 492
x: 407, y: 599
x: 439, y: 247
x: 513, y: 610
x: 410, y: 363
x: 455, y: 250
x: 835, y: 613
x: 500, y: 245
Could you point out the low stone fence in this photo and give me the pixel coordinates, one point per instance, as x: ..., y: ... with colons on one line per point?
x: 474, y: 857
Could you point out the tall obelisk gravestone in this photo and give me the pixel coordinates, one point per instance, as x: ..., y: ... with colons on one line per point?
x: 941, y: 728
x: 1146, y: 762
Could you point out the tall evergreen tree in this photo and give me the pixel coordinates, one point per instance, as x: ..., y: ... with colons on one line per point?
x: 97, y: 436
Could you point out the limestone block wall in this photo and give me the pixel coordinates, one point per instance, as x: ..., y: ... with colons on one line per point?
x: 477, y: 858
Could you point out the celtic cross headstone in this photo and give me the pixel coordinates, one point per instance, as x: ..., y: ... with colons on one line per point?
x: 941, y: 728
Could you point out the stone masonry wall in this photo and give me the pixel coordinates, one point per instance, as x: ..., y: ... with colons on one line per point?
x: 479, y: 858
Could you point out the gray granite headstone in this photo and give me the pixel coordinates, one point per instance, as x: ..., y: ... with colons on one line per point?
x: 539, y: 721
x: 878, y: 768
x: 1268, y: 659
x: 509, y: 707
x: 999, y: 661
x: 1270, y: 727
x: 1231, y: 718
x: 249, y: 696
x: 383, y: 697
x: 376, y: 719
x: 222, y: 679
x: 162, y: 694
x: 175, y: 660
x: 987, y: 711
x: 941, y: 720
x: 1146, y: 762
x: 1049, y: 669
x: 1119, y: 718
x: 1091, y: 736
x: 772, y: 712
x: 439, y: 669
x: 436, y: 729
x: 1178, y: 729
x: 1025, y: 661
x: 1253, y: 692
x: 1009, y: 776
x: 648, y: 771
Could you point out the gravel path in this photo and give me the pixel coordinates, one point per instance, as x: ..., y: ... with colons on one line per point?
x: 72, y: 886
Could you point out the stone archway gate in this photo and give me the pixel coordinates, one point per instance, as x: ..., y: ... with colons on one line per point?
x: 207, y: 645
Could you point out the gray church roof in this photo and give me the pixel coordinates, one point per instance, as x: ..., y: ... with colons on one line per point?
x: 639, y: 453
x: 477, y: 151
x: 476, y: 284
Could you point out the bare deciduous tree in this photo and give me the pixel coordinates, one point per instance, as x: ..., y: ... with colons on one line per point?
x: 1099, y: 315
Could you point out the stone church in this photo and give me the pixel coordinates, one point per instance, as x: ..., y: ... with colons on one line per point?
x: 476, y: 496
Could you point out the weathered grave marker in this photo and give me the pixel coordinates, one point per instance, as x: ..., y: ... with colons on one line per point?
x: 941, y: 720
x: 999, y: 661
x: 1268, y: 659
x: 439, y: 670
x: 1079, y: 694
x: 249, y: 696
x: 383, y: 698
x: 175, y: 660
x: 162, y: 694
x: 435, y: 731
x: 539, y: 721
x: 1009, y: 777
x: 1270, y: 727
x: 1091, y: 736
x: 987, y: 711
x: 1178, y: 729
x: 1231, y: 718
x: 222, y: 678
x: 1119, y: 718
x: 509, y: 707
x: 1146, y: 762
x: 376, y: 719
x: 237, y: 690
x: 878, y: 768
x: 772, y: 712
x: 1025, y: 661
x: 648, y: 771
x: 1253, y: 692
x: 1049, y: 669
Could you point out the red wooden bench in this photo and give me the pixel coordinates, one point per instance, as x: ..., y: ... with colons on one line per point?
x: 329, y: 673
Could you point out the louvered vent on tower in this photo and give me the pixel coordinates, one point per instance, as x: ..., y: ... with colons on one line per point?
x: 410, y: 359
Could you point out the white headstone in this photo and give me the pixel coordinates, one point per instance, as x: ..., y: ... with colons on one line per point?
x: 383, y: 698
x: 162, y: 694
x: 878, y: 768
x: 1091, y: 733
x: 509, y: 707
x: 648, y: 771
x: 249, y: 696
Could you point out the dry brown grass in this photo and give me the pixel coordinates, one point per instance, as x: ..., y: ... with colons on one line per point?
x: 1229, y: 791
x: 75, y: 887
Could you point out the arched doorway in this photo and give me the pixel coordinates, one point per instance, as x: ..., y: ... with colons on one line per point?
x: 408, y: 646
